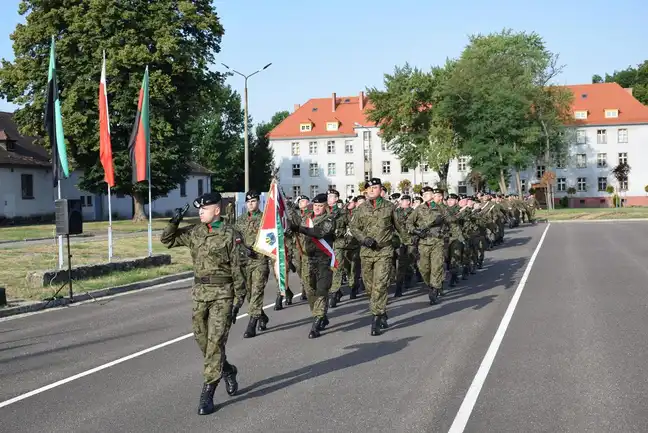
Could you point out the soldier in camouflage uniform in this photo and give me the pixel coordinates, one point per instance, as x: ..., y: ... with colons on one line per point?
x: 316, y: 271
x: 417, y: 202
x: 374, y: 225
x: 404, y: 251
x: 218, y: 291
x: 456, y: 241
x: 256, y: 266
x: 425, y: 225
x: 481, y: 222
x: 346, y: 248
x: 532, y: 205
x: 470, y: 231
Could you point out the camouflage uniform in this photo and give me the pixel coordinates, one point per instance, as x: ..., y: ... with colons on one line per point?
x: 455, y: 240
x: 425, y: 225
x: 374, y: 225
x: 532, y: 205
x: 256, y: 269
x: 346, y: 247
x: 218, y: 283
x: 405, y: 252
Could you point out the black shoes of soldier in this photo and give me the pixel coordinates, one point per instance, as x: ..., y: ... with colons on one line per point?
x: 324, y: 322
x: 231, y: 385
x: 383, y: 322
x: 433, y: 295
x: 354, y: 293
x: 454, y: 279
x: 263, y: 321
x: 250, y: 332
x: 289, y: 296
x: 465, y: 273
x: 332, y: 300
x: 375, y: 326
x: 206, y: 405
x: 303, y: 296
x: 278, y: 303
x: 315, y: 329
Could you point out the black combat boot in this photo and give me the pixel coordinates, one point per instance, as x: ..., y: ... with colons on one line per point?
x: 250, y: 332
x: 433, y: 295
x: 383, y: 321
x: 315, y: 329
x: 289, y: 296
x: 375, y: 326
x: 263, y: 321
x: 332, y: 300
x: 399, y: 287
x: 473, y: 268
x: 229, y: 376
x: 465, y: 273
x: 454, y: 279
x: 442, y: 291
x: 354, y: 292
x: 278, y: 303
x: 324, y: 322
x: 303, y: 296
x: 206, y: 405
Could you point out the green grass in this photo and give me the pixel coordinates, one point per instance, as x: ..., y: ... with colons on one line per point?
x: 17, y: 263
x: 593, y: 213
x: 20, y: 233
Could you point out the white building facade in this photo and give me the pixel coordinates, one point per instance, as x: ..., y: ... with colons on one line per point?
x: 326, y: 144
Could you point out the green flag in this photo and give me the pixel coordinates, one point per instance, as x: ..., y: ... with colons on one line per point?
x: 54, y: 123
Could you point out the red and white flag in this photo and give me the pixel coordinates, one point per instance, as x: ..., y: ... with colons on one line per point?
x: 105, y: 148
x: 324, y: 246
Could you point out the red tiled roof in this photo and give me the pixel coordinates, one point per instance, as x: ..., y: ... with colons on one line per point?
x: 596, y: 98
x: 318, y: 111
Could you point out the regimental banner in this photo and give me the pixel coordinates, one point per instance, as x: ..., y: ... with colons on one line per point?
x: 324, y: 246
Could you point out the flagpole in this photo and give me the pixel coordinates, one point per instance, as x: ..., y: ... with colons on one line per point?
x: 60, y: 238
x: 110, y: 239
x: 150, y: 209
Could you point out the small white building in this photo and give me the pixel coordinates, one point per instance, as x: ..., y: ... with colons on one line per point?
x: 329, y: 143
x: 27, y: 188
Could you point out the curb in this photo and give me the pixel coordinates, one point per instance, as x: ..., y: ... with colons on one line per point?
x: 620, y: 220
x: 101, y: 293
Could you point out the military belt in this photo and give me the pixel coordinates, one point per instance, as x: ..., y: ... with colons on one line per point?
x: 213, y: 279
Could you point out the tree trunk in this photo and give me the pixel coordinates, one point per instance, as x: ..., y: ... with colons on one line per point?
x: 547, y: 157
x: 138, y: 212
x: 443, y: 175
x: 502, y: 182
x: 519, y: 183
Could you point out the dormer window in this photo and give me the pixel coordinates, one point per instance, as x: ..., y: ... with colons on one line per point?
x: 580, y: 114
x: 11, y: 145
x: 611, y: 113
x: 332, y: 126
x: 305, y: 127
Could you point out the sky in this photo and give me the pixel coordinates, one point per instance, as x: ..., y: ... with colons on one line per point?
x: 344, y: 46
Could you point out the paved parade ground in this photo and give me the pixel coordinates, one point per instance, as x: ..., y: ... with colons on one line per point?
x: 572, y: 358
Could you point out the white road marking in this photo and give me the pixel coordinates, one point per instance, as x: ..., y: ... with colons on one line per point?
x: 108, y: 365
x: 468, y: 404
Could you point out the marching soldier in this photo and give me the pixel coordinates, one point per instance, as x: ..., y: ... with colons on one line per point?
x: 317, y: 275
x: 456, y: 240
x: 404, y: 252
x: 346, y: 247
x: 417, y: 201
x: 425, y: 225
x: 374, y: 225
x: 256, y: 266
x: 218, y: 291
x: 481, y: 221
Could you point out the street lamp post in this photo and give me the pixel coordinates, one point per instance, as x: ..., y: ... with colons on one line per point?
x: 246, y: 139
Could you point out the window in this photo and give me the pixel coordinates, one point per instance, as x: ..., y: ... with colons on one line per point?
x: 581, y: 184
x: 294, y: 148
x: 366, y: 135
x: 349, y: 170
x: 404, y: 169
x: 313, y: 169
x: 296, y: 190
x: 304, y: 127
x: 601, y: 160
x: 540, y: 170
x: 386, y: 167
x: 200, y: 187
x: 348, y: 146
x: 602, y: 183
x: 296, y: 170
x: 581, y: 160
x: 27, y: 186
x: 523, y: 185
x: 611, y: 113
x: 330, y: 146
x: 367, y: 154
x: 425, y: 168
x: 332, y: 126
x: 183, y: 189
x: 462, y: 188
x: 622, y: 135
x: 82, y: 200
x: 89, y: 201
x: 350, y: 190
x: 561, y: 184
x: 367, y: 175
x: 580, y: 114
x: 11, y: 145
x: 461, y: 163
x: 330, y: 187
x: 560, y: 163
x: 330, y: 169
x: 623, y: 157
x: 624, y: 185
x: 313, y: 190
x: 601, y: 136
x: 383, y: 146
x: 312, y: 148
x: 581, y: 136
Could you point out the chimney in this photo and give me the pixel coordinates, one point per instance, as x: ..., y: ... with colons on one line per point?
x: 334, y: 98
x: 629, y: 90
x: 296, y: 107
x: 362, y: 101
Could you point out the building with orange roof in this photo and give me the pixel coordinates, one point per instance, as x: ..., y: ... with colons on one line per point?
x: 330, y: 143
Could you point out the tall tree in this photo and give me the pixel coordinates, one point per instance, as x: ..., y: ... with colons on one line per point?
x: 176, y: 39
x: 635, y: 78
x: 261, y: 153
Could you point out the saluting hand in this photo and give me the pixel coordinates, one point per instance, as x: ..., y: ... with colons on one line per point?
x: 179, y: 214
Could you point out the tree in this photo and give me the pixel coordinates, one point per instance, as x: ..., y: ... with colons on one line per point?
x: 361, y: 186
x: 261, y: 153
x: 635, y: 78
x: 497, y: 100
x: 177, y: 40
x: 417, y: 188
x: 621, y: 173
x: 388, y: 186
x: 548, y: 180
x: 404, y: 185
x: 476, y: 180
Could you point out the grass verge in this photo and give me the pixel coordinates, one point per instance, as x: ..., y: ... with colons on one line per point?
x: 593, y: 213
x: 17, y: 263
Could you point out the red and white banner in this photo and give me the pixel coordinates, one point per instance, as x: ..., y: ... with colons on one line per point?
x: 324, y: 246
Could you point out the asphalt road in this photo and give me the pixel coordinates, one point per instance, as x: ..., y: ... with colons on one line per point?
x: 571, y: 360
